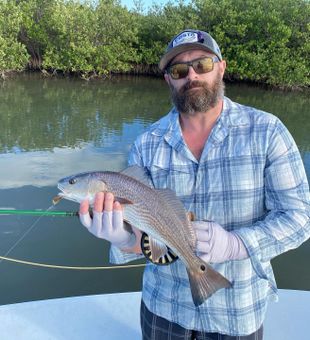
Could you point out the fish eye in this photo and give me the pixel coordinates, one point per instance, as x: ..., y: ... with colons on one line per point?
x: 72, y: 181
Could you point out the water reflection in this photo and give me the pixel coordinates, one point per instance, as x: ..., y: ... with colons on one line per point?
x: 40, y: 114
x: 45, y: 168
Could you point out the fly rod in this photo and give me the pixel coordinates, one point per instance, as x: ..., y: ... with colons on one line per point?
x: 38, y: 212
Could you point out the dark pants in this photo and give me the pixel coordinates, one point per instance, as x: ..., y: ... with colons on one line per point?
x: 156, y: 328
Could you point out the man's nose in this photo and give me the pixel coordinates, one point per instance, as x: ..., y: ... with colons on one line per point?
x: 191, y: 73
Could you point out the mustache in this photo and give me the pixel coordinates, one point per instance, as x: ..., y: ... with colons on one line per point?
x: 192, y: 84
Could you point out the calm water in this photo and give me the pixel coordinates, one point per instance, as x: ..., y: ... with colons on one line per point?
x: 51, y: 128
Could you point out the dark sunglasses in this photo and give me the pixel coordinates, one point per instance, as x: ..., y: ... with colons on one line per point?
x: 201, y: 65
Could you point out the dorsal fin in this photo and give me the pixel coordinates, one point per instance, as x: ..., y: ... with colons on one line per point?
x: 178, y: 207
x: 170, y: 196
x: 137, y: 173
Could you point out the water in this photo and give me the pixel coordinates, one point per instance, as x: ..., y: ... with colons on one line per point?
x: 50, y: 128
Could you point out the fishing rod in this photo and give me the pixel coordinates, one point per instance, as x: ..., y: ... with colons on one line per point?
x: 38, y: 212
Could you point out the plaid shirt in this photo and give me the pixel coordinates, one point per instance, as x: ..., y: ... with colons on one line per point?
x: 250, y: 179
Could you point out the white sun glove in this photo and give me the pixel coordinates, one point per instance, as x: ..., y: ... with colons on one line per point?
x: 110, y: 226
x: 216, y: 245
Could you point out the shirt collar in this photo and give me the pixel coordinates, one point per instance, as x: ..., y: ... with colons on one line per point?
x: 232, y: 114
x: 169, y: 126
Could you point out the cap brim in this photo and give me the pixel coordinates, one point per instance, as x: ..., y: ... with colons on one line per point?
x: 167, y: 57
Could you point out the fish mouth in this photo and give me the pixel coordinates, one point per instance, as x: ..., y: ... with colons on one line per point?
x: 62, y: 194
x: 71, y: 196
x: 58, y: 198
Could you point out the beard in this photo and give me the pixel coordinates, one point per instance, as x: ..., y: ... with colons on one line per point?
x: 197, y: 96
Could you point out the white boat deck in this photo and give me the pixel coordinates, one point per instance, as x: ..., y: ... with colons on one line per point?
x: 116, y: 317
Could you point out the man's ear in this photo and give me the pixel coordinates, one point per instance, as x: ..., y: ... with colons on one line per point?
x: 222, y: 67
x: 166, y: 76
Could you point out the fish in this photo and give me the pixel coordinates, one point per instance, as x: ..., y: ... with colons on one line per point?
x: 157, y: 212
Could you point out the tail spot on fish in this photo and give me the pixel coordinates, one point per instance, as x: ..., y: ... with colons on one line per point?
x: 203, y: 267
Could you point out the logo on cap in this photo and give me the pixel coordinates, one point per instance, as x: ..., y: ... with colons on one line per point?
x: 184, y: 38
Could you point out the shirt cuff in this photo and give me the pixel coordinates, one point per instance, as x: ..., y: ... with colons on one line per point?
x: 117, y: 256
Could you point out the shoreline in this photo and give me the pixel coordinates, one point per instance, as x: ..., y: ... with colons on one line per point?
x: 150, y: 71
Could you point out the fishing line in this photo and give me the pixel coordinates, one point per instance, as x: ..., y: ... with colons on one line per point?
x: 23, y: 236
x: 46, y: 265
x: 55, y: 266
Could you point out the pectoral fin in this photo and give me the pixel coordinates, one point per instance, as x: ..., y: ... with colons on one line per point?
x: 123, y: 201
x: 157, y: 248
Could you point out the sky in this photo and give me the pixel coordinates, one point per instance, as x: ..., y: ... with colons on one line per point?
x: 146, y: 3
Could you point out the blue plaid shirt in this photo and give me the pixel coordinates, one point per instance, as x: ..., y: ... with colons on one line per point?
x: 250, y: 179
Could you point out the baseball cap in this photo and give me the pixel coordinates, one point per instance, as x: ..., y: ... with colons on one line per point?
x: 189, y: 40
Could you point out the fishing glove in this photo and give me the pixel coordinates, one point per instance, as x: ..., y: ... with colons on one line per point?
x: 216, y: 245
x: 110, y: 226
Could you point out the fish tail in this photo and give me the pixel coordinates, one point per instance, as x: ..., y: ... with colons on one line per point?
x: 205, y: 282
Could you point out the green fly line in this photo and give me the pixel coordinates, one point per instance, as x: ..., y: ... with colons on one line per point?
x: 38, y: 212
x: 55, y: 266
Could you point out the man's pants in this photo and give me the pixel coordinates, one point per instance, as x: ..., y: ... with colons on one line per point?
x: 156, y: 328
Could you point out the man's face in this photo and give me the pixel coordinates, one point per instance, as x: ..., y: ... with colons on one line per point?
x: 196, y: 92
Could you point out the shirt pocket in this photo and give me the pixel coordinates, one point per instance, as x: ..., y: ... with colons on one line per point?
x: 177, y: 177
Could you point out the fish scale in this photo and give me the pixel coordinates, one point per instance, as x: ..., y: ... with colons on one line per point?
x: 153, y: 203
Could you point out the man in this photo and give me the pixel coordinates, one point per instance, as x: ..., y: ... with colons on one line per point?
x: 239, y: 171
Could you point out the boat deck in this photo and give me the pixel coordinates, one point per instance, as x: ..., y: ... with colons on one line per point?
x: 116, y: 317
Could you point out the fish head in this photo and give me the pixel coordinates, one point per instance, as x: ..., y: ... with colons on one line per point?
x: 81, y: 186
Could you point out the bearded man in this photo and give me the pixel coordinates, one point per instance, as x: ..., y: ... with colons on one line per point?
x: 239, y: 171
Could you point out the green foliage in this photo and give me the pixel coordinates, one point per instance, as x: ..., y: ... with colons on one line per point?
x: 13, y: 55
x: 74, y: 37
x: 33, y: 33
x: 264, y: 41
x: 159, y: 26
x: 70, y: 30
x: 116, y: 37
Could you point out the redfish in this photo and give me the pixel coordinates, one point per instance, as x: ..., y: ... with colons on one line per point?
x: 158, y: 213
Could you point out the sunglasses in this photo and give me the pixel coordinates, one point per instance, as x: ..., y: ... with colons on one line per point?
x: 201, y: 65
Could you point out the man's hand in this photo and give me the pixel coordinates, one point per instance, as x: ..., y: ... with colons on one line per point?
x: 107, y: 221
x: 216, y: 245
